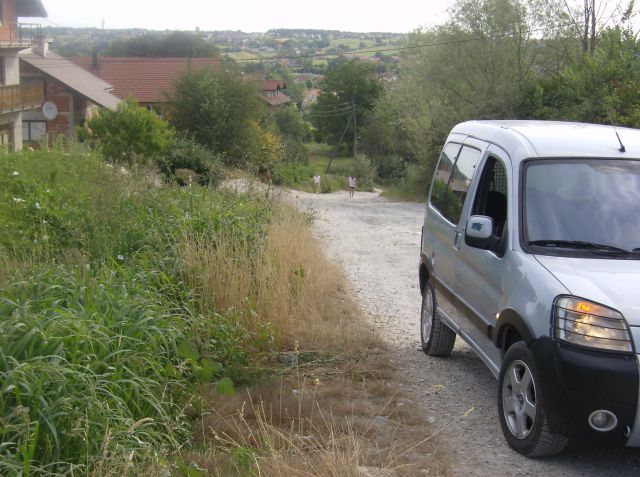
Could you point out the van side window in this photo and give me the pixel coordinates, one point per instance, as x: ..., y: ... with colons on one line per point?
x: 459, y: 183
x: 491, y: 199
x: 443, y: 173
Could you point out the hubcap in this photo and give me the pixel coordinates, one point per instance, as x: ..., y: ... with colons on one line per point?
x: 519, y: 399
x: 426, y: 317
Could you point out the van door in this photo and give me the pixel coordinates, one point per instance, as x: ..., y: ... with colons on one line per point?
x: 478, y: 272
x: 443, y: 231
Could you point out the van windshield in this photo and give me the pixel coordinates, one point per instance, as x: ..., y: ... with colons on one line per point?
x: 586, y: 207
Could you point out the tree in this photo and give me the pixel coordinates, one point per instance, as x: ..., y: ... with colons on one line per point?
x: 226, y: 113
x: 585, y: 20
x: 129, y: 133
x: 601, y: 89
x: 348, y: 86
x: 176, y: 44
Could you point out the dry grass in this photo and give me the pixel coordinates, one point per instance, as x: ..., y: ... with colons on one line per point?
x: 287, y: 280
x: 334, y: 416
x: 327, y: 421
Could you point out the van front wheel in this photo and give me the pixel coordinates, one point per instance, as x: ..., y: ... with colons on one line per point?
x: 437, y: 338
x: 521, y: 406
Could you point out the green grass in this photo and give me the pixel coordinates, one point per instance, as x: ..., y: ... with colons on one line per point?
x: 102, y: 344
x: 301, y: 177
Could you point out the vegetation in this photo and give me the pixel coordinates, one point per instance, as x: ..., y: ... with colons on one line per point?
x: 128, y: 310
x: 176, y: 44
x: 224, y: 112
x: 129, y: 134
x: 348, y: 85
x: 188, y: 161
x: 102, y: 342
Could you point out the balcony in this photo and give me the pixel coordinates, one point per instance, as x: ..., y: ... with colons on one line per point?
x: 19, y: 35
x: 21, y: 97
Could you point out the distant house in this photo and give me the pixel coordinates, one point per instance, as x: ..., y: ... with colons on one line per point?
x: 272, y: 92
x: 147, y: 80
x: 71, y: 94
x: 14, y: 96
x: 311, y: 96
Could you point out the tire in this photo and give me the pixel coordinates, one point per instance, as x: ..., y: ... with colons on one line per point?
x: 521, y: 406
x: 437, y: 338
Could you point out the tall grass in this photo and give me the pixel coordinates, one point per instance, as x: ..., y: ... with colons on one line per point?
x: 101, y: 339
x: 285, y: 281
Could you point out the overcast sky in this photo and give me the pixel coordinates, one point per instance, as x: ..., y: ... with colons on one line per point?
x: 248, y: 15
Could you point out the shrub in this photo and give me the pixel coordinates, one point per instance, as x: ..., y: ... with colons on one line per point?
x: 128, y: 133
x: 364, y: 170
x: 295, y: 151
x: 390, y: 168
x: 290, y: 173
x: 187, y: 153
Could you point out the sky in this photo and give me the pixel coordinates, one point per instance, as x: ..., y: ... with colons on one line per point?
x: 401, y: 16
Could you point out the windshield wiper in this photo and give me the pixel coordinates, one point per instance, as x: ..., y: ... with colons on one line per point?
x: 578, y: 244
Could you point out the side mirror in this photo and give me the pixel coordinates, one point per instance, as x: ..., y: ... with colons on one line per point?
x: 479, y: 232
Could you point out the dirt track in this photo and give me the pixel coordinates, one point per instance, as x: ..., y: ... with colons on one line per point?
x: 377, y: 244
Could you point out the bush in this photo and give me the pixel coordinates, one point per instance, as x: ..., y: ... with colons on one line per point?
x: 290, y: 173
x: 187, y: 154
x: 295, y: 151
x: 364, y: 171
x: 129, y: 133
x: 390, y: 168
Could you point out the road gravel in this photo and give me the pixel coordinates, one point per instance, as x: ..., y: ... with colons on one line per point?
x: 377, y: 243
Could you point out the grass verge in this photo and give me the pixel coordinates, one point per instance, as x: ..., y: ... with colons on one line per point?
x: 180, y: 331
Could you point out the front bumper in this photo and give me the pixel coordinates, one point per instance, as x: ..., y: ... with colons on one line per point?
x: 577, y: 381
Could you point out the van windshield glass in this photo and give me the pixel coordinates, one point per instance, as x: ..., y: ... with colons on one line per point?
x: 587, y: 207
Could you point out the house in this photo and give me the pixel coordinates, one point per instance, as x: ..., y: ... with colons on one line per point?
x: 14, y: 96
x: 311, y: 96
x: 71, y: 94
x: 272, y: 92
x: 149, y: 81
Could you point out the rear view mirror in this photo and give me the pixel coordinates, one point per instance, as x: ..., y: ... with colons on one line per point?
x: 479, y: 232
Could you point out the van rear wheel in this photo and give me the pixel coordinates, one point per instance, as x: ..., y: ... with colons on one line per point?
x: 437, y: 338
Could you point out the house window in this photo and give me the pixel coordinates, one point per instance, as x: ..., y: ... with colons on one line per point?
x: 33, y: 131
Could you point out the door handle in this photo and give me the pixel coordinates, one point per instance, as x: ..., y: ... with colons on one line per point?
x: 456, y: 240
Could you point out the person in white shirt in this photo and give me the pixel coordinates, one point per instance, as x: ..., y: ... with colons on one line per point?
x: 352, y: 185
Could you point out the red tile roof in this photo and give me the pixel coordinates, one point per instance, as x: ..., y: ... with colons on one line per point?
x: 271, y: 85
x: 278, y: 100
x: 148, y: 80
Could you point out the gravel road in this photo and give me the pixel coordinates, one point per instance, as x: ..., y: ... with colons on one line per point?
x: 377, y: 244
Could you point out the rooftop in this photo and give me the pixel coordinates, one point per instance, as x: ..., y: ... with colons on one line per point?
x: 147, y: 80
x: 74, y: 77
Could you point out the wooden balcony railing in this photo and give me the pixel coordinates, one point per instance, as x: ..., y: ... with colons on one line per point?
x: 19, y: 35
x: 20, y: 97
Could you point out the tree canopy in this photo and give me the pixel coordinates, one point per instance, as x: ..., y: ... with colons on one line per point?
x: 346, y: 85
x: 225, y: 112
x: 176, y: 44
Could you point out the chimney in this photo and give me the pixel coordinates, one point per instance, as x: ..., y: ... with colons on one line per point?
x: 94, y: 62
x: 42, y: 48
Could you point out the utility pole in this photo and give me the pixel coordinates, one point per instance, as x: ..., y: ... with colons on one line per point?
x: 335, y: 151
x: 355, y: 130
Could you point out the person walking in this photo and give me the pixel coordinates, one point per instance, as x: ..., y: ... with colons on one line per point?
x: 316, y: 183
x: 352, y: 185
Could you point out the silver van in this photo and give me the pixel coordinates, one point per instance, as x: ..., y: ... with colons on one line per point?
x: 531, y: 254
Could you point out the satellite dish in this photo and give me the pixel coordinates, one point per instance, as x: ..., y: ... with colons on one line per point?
x: 49, y: 110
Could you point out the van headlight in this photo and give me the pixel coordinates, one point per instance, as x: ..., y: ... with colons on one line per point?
x: 589, y: 324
